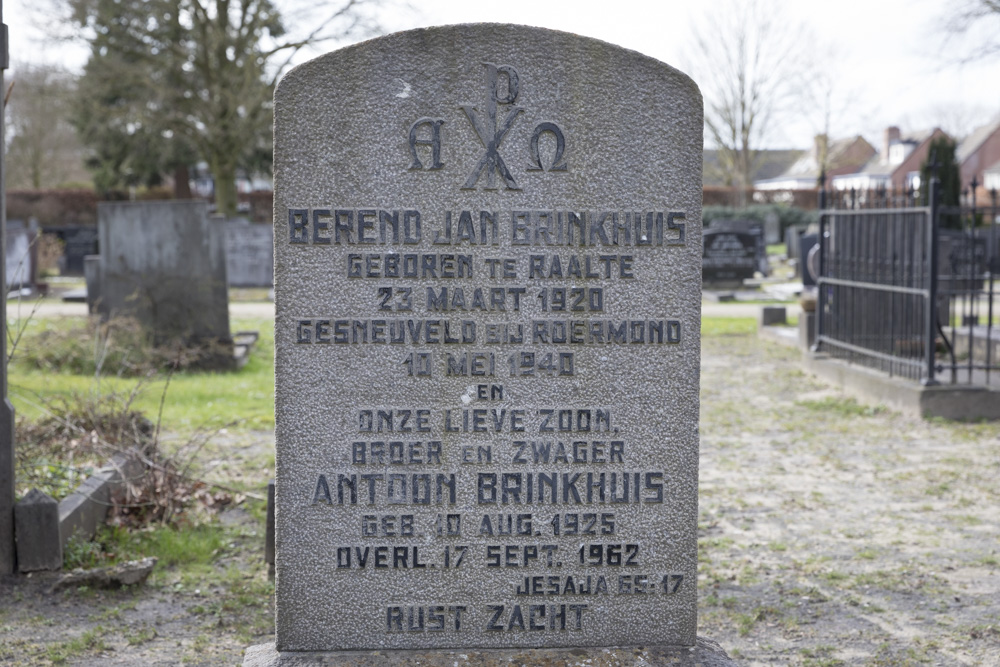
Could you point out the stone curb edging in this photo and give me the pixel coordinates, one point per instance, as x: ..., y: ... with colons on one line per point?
x: 706, y: 653
x: 81, y: 512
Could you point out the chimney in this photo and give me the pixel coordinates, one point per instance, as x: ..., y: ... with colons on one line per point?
x: 891, y: 136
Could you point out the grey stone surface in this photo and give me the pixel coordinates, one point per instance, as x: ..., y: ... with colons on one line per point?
x: 807, y: 329
x: 705, y: 653
x: 92, y: 275
x: 129, y: 573
x: 872, y: 387
x: 772, y: 315
x: 164, y: 263
x: 78, y: 243
x: 249, y: 254
x: 36, y: 528
x: 81, y: 512
x: 632, y: 146
x: 8, y: 550
x: 269, y: 531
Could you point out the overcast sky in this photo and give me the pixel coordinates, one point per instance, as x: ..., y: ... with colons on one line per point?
x: 887, y: 56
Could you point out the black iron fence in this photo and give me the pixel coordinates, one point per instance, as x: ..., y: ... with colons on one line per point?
x: 910, y: 289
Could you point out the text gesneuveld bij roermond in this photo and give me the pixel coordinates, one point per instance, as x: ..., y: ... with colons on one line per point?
x: 487, y: 344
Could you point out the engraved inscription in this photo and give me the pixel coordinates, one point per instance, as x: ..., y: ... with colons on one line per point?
x: 489, y: 134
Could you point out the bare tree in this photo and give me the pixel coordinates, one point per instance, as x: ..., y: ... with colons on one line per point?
x: 972, y: 30
x: 43, y: 149
x: 750, y: 65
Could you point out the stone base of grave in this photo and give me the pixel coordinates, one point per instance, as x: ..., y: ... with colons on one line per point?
x: 706, y: 653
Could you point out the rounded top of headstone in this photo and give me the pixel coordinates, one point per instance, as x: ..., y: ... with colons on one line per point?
x: 546, y: 43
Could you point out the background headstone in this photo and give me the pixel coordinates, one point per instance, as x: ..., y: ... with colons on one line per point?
x: 249, y: 254
x: 78, y: 242
x: 36, y: 525
x: 729, y: 256
x: 487, y: 297
x: 20, y: 265
x: 164, y: 264
x: 755, y: 229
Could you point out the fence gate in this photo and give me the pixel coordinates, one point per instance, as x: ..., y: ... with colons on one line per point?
x: 910, y: 290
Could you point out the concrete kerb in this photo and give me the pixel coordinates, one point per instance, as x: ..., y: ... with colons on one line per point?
x: 81, y: 512
x: 705, y: 653
x: 959, y: 402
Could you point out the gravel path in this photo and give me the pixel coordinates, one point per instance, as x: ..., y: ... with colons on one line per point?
x: 831, y: 534
x: 835, y: 534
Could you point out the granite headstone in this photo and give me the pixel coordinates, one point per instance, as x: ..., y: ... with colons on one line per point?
x: 249, y: 254
x: 164, y: 264
x: 753, y: 228
x: 78, y: 242
x: 729, y: 257
x: 487, y: 344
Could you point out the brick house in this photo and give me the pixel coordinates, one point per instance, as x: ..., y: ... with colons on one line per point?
x: 896, y: 166
x: 978, y: 152
x: 842, y: 156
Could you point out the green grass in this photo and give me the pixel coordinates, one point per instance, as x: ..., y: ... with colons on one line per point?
x: 843, y: 407
x: 91, y: 641
x: 193, y: 400
x: 194, y: 547
x: 728, y: 326
x: 188, y: 546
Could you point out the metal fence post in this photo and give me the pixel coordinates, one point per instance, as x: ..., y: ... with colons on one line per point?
x: 820, y: 287
x: 932, y: 279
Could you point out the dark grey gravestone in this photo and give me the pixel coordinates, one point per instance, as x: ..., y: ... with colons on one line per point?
x: 729, y: 257
x: 792, y: 235
x: 36, y: 525
x: 79, y: 243
x: 772, y: 315
x: 488, y: 272
x: 755, y: 229
x: 164, y: 263
x: 249, y: 254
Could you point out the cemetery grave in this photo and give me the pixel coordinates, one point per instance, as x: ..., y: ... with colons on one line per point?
x: 475, y: 354
x: 828, y: 532
x: 487, y: 404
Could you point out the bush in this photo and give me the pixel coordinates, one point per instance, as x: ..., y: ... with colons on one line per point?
x: 120, y: 347
x: 788, y: 216
x: 57, y: 453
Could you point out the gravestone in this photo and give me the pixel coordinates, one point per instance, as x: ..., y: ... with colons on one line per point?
x: 806, y: 243
x: 729, y: 257
x: 792, y: 235
x: 962, y: 257
x: 20, y: 261
x: 36, y: 526
x: 487, y: 344
x: 164, y: 264
x: 249, y: 254
x: 772, y: 229
x: 78, y: 242
x: 755, y: 229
